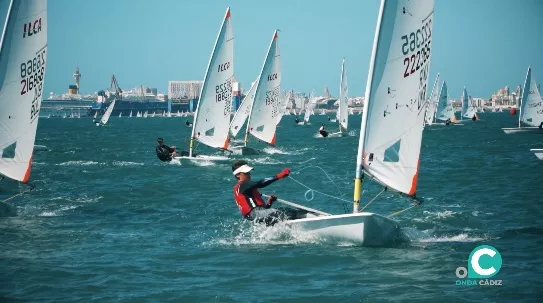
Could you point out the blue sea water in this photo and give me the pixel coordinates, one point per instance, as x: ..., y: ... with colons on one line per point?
x: 108, y: 222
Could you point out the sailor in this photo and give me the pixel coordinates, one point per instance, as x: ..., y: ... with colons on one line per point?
x: 188, y: 123
x: 474, y: 118
x: 249, y: 199
x: 297, y: 120
x: 541, y: 125
x: 329, y: 119
x: 322, y: 131
x: 448, y: 121
x: 164, y: 152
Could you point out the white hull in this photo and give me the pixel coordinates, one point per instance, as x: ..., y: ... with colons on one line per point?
x: 245, y: 151
x: 521, y: 129
x: 367, y: 229
x: 538, y: 152
x: 205, y: 158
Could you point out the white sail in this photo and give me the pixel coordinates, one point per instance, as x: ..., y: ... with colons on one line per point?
x: 282, y: 107
x: 130, y: 114
x: 432, y: 105
x: 212, y: 116
x: 445, y: 109
x: 120, y: 114
x: 393, y: 116
x: 263, y: 117
x: 342, y: 112
x: 23, y: 53
x: 106, y: 115
x: 243, y: 111
x: 531, y: 107
x: 468, y: 110
x: 309, y: 110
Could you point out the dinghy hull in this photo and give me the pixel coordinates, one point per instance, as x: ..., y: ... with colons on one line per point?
x: 366, y: 229
x: 538, y: 152
x: 521, y: 130
x: 205, y: 158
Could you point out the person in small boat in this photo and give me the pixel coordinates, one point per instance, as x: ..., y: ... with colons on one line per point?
x: 188, y: 123
x: 329, y: 119
x: 448, y: 121
x: 164, y: 152
x: 541, y: 125
x: 474, y: 118
x: 297, y: 120
x: 322, y: 131
x: 249, y: 199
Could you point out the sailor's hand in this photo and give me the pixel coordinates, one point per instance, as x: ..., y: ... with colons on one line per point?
x: 283, y: 174
x: 272, y: 199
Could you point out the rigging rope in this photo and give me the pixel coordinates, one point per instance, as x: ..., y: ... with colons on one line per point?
x: 312, y: 192
x: 30, y: 187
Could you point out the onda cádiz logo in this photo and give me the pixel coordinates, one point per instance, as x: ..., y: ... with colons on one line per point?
x: 484, y: 262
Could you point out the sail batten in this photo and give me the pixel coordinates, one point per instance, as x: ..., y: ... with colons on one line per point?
x: 394, y: 111
x: 23, y: 53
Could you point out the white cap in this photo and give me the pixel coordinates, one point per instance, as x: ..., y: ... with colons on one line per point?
x: 243, y: 169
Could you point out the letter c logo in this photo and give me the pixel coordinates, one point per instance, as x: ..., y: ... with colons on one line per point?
x: 484, y: 262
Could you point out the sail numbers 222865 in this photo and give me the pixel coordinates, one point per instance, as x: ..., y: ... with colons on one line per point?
x: 418, y: 44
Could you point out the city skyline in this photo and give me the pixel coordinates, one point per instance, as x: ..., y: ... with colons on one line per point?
x: 476, y: 45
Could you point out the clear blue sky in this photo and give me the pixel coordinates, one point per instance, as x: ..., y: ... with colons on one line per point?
x: 483, y: 44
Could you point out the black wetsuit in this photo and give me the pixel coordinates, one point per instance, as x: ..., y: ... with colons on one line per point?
x: 448, y: 122
x: 474, y: 118
x: 163, y: 153
x: 541, y: 125
x: 188, y: 123
x: 297, y: 121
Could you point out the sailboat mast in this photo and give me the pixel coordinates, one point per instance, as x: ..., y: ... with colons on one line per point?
x: 341, y: 96
x: 358, y: 182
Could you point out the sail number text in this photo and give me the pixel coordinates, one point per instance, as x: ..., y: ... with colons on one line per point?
x: 32, y: 72
x: 272, y: 95
x: 223, y: 91
x: 416, y: 46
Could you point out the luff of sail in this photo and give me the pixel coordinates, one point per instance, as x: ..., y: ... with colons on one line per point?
x: 343, y: 110
x: 243, y: 111
x: 432, y: 105
x: 23, y: 53
x: 531, y: 108
x: 393, y: 116
x: 263, y: 118
x: 212, y: 116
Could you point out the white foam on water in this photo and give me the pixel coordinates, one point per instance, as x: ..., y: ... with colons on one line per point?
x: 266, y: 160
x: 127, y: 163
x: 274, y: 150
x: 79, y: 163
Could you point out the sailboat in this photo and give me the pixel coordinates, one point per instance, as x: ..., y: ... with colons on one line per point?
x: 20, y: 95
x: 468, y: 110
x: 262, y: 120
x: 120, y: 114
x: 392, y: 125
x: 432, y: 105
x: 107, y: 114
x: 538, y: 152
x: 130, y: 115
x: 342, y: 114
x: 241, y: 115
x: 282, y: 107
x: 445, y: 109
x: 531, y: 107
x: 212, y: 117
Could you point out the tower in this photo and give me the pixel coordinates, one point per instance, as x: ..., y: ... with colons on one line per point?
x: 77, y: 75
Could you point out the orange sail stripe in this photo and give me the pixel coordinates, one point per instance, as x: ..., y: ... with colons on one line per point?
x: 226, y: 142
x: 273, y: 139
x: 414, y: 181
x: 27, y: 173
x: 228, y: 14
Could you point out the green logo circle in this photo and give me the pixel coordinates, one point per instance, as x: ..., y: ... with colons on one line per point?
x: 484, y: 261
